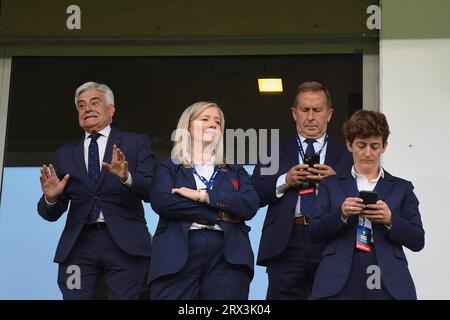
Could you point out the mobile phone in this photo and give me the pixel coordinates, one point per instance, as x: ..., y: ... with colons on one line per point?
x: 311, y: 160
x: 369, y: 197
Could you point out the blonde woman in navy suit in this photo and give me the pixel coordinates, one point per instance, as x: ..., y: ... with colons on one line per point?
x: 201, y: 248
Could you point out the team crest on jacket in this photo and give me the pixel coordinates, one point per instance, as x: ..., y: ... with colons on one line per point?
x: 235, y: 183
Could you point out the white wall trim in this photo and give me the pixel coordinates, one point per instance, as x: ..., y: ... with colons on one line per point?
x: 371, y: 82
x: 5, y: 78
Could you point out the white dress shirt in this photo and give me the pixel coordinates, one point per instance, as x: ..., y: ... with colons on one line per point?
x: 282, y: 186
x: 101, y: 142
x: 206, y: 170
x: 363, y: 184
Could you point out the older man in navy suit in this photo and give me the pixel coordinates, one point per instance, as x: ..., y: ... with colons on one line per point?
x: 106, y: 233
x: 285, y: 246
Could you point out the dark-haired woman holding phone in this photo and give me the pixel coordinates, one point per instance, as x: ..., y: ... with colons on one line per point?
x: 363, y: 257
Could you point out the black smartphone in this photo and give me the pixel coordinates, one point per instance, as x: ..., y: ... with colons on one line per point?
x: 369, y: 197
x: 312, y: 160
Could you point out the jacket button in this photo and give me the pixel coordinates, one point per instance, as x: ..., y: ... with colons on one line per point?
x: 95, y: 197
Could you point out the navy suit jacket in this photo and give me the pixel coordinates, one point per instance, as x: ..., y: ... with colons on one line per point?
x: 278, y: 224
x: 327, y: 226
x: 176, y: 214
x: 121, y: 206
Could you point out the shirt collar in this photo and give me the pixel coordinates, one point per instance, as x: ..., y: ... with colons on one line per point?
x: 211, y: 161
x: 104, y: 132
x: 357, y: 175
x: 320, y: 140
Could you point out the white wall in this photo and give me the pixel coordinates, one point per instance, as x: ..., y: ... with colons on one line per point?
x: 371, y: 81
x: 415, y: 96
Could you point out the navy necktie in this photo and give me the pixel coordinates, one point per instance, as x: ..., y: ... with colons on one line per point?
x: 310, y: 148
x: 94, y: 173
x: 307, y: 201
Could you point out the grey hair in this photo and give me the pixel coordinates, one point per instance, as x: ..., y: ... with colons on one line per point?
x: 91, y: 85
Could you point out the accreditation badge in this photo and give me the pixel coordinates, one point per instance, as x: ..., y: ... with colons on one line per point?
x: 364, y: 235
x: 307, y: 188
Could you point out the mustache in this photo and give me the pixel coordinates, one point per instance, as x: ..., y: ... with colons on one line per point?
x: 311, y: 122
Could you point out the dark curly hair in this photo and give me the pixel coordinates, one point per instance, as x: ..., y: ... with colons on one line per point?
x: 364, y: 124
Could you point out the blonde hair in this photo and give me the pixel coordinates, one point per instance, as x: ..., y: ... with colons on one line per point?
x: 182, y: 138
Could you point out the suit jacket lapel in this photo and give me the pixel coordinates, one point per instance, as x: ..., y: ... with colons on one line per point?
x: 115, y: 138
x: 332, y: 153
x: 78, y: 156
x: 291, y: 152
x: 219, y: 178
x: 349, y: 185
x: 384, y: 186
x: 189, y: 177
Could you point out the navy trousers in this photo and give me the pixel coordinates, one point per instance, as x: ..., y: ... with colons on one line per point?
x: 356, y: 287
x: 95, y: 255
x: 291, y: 274
x: 206, y: 275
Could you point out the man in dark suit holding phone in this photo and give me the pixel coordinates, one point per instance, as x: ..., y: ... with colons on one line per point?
x: 105, y: 176
x: 285, y: 248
